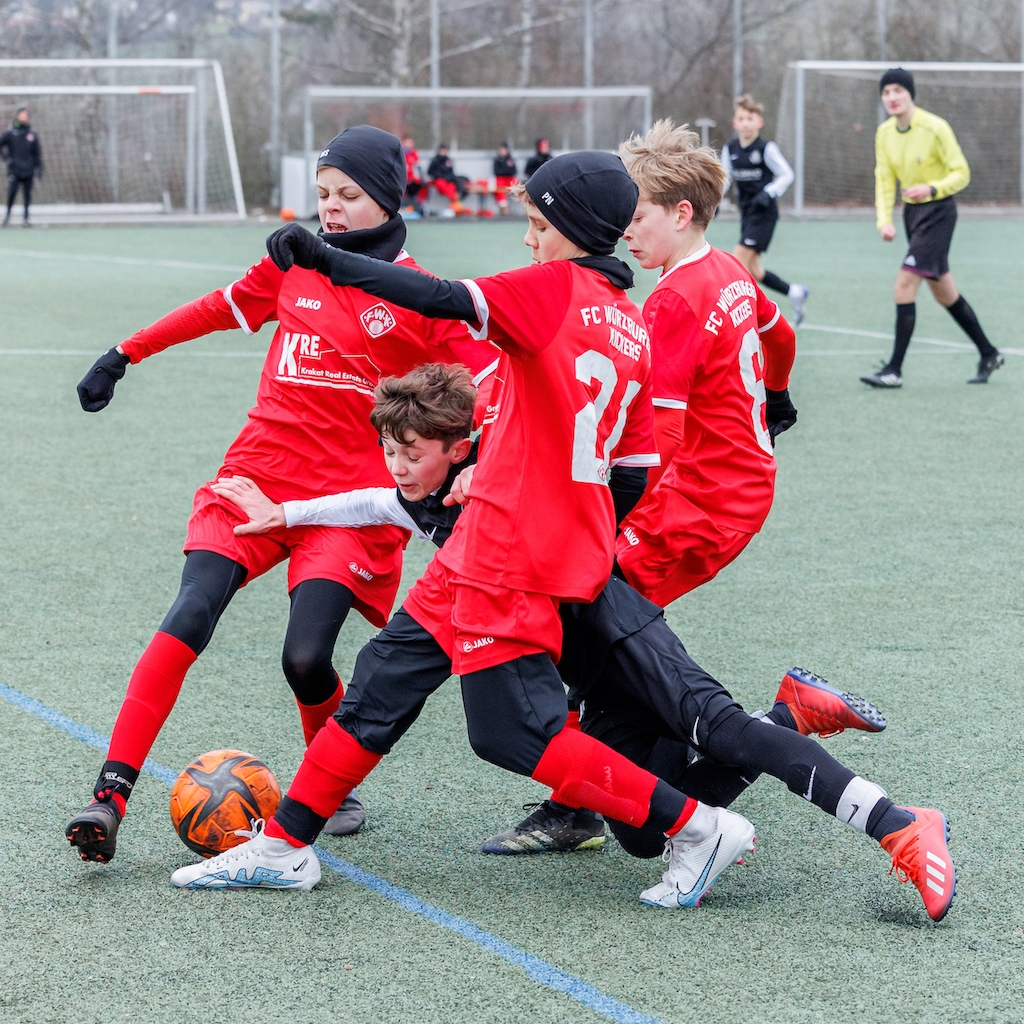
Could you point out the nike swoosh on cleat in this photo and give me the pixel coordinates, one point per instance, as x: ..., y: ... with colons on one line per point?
x: 700, y: 883
x: 810, y: 784
x: 298, y: 867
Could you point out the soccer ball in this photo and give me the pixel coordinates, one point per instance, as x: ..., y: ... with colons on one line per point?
x: 287, y: 213
x: 219, y: 793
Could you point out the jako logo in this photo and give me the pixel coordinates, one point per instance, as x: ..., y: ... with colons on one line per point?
x: 302, y: 303
x: 548, y: 198
x: 377, y: 320
x: 360, y: 571
x: 472, y: 645
x: 631, y: 536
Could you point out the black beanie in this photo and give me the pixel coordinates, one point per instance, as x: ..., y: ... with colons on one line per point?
x: 588, y: 196
x: 372, y: 158
x: 897, y: 76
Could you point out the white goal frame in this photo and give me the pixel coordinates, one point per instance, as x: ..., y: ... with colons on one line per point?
x: 800, y: 68
x: 196, y: 155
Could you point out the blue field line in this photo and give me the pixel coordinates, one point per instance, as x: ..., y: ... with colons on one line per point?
x: 535, y: 968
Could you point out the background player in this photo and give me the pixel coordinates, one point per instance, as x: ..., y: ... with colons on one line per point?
x: 504, y: 167
x: 20, y: 147
x: 308, y: 433
x: 920, y: 151
x: 762, y: 176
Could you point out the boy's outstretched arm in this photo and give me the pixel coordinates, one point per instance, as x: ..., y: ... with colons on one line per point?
x: 293, y: 245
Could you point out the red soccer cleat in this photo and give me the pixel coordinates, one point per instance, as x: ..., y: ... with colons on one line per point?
x: 818, y: 707
x: 920, y: 855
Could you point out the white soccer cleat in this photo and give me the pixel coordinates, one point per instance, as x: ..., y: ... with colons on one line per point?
x: 694, y: 866
x: 260, y: 863
x: 798, y: 297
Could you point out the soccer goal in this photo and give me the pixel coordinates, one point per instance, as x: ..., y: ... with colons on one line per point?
x: 471, y: 121
x: 829, y: 110
x: 128, y: 136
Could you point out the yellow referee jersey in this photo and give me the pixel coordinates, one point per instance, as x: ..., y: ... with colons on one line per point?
x: 927, y: 153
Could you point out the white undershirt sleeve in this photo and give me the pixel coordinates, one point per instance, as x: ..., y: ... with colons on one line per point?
x: 370, y: 506
x: 726, y: 163
x: 779, y: 166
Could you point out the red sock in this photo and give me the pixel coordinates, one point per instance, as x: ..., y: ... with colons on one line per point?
x: 687, y: 813
x: 573, y: 720
x: 314, y: 716
x: 333, y: 766
x: 119, y: 802
x: 583, y: 772
x: 275, y: 831
x: 152, y: 691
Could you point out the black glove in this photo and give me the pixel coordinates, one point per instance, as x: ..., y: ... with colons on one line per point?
x: 762, y: 201
x: 96, y: 388
x: 780, y: 412
x: 293, y: 245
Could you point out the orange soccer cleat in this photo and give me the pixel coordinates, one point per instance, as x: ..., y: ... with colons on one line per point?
x: 920, y: 854
x: 818, y: 707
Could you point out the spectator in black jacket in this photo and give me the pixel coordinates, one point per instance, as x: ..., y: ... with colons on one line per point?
x: 19, y: 146
x: 504, y: 175
x: 539, y: 158
x: 441, y: 174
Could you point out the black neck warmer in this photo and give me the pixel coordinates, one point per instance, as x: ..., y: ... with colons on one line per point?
x: 610, y: 267
x: 381, y: 243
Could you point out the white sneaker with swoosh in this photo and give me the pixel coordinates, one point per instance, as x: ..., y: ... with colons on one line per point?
x: 693, y: 866
x: 260, y: 863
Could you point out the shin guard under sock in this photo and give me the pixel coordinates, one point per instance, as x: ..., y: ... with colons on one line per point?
x: 964, y: 315
x: 775, y: 282
x: 906, y: 316
x: 152, y: 691
x: 315, y: 716
x: 333, y: 766
x: 583, y: 772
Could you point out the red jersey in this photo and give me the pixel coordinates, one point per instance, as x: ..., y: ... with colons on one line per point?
x: 706, y: 317
x: 571, y: 399
x: 309, y: 432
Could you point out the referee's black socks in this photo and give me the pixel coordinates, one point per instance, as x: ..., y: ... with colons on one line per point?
x: 963, y: 314
x: 906, y: 314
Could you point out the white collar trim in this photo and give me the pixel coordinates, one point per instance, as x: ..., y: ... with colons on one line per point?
x: 692, y: 258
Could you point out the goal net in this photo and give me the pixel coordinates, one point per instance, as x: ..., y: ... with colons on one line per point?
x: 135, y: 136
x: 829, y: 110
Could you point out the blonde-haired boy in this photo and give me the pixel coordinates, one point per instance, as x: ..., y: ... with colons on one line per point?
x: 762, y: 175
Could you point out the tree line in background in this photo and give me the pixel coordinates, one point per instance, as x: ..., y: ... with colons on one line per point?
x: 681, y: 48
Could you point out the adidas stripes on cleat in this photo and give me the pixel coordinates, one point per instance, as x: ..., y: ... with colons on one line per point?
x: 820, y: 708
x: 94, y: 831
x: 260, y: 863
x: 920, y: 854
x: 551, y: 828
x: 694, y: 866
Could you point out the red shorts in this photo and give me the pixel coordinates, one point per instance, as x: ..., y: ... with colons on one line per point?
x: 479, y: 625
x: 368, y: 561
x: 674, y: 547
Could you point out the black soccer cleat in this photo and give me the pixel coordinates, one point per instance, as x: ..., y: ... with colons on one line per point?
x: 348, y: 818
x: 551, y: 828
x: 884, y: 378
x: 986, y: 367
x: 94, y: 831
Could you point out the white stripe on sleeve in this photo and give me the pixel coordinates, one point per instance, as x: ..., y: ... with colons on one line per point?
x: 650, y: 459
x: 668, y: 403
x: 767, y: 327
x: 485, y: 373
x: 480, y: 334
x: 234, y: 309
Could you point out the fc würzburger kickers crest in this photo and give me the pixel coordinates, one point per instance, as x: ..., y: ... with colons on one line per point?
x: 377, y: 320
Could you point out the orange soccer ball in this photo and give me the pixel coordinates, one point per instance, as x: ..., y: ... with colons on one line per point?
x: 287, y: 213
x: 219, y: 793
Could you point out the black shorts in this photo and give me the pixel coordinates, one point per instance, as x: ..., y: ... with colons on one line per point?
x: 929, y: 228
x: 757, y: 225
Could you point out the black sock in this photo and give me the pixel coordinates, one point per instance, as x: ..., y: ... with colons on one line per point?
x: 299, y: 821
x: 666, y: 806
x: 774, y: 282
x: 781, y: 715
x: 886, y: 818
x: 906, y: 313
x: 115, y: 777
x: 963, y: 314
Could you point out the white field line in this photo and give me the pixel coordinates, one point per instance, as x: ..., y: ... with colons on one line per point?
x: 244, y: 354
x: 961, y: 345
x: 126, y: 261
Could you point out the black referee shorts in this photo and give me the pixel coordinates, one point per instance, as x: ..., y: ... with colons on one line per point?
x: 929, y: 228
x: 757, y: 225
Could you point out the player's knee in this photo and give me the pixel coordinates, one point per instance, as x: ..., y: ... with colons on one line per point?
x: 512, y: 746
x: 644, y: 842
x: 192, y: 618
x: 308, y: 670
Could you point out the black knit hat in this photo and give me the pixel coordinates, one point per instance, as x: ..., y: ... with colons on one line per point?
x: 897, y: 76
x: 372, y: 158
x: 588, y: 196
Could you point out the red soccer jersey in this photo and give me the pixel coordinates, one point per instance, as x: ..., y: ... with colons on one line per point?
x: 705, y: 318
x: 571, y: 398
x: 309, y: 432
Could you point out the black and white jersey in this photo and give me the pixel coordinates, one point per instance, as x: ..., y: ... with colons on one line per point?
x: 759, y: 166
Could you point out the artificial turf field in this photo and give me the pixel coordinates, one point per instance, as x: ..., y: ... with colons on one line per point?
x: 891, y: 563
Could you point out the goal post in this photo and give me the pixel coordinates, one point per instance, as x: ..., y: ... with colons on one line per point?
x: 475, y: 119
x: 829, y: 110
x: 129, y: 135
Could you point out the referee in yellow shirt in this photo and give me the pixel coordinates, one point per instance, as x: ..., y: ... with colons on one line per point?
x: 920, y: 151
